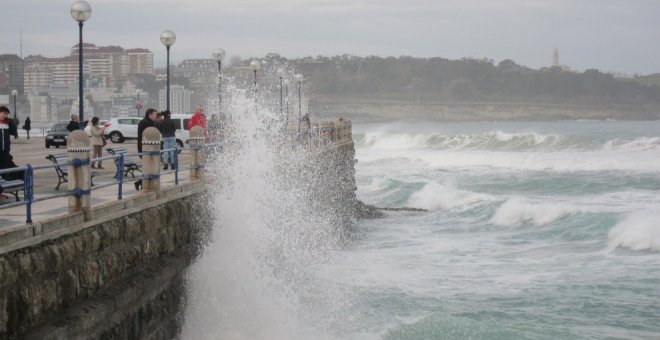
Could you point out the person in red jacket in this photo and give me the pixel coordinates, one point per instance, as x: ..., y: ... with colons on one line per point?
x: 198, y: 119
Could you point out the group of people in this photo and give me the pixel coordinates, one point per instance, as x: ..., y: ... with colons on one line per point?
x: 152, y: 118
x: 163, y: 122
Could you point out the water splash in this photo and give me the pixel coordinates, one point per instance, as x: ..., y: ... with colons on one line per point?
x: 272, y: 225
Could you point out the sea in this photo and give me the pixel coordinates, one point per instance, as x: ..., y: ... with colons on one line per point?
x: 520, y: 230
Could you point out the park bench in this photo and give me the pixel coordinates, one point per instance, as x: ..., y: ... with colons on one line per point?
x: 62, y: 169
x: 130, y: 165
x: 12, y: 187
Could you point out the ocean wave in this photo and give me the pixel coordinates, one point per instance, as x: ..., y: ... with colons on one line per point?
x: 500, y: 141
x: 516, y: 212
x: 434, y: 196
x: 638, y: 231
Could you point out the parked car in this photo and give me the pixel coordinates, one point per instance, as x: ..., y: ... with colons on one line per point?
x: 57, y: 135
x: 120, y: 129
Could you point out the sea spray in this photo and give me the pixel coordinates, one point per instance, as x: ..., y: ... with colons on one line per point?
x: 279, y: 212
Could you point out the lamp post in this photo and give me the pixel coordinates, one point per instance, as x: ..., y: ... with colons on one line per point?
x: 286, y: 103
x: 14, y: 93
x: 80, y: 12
x: 138, y: 106
x: 299, y: 78
x: 218, y: 55
x: 167, y: 38
x: 255, y: 65
x: 280, y: 74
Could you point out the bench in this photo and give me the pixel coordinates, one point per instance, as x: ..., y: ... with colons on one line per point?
x: 130, y: 166
x: 12, y: 187
x: 62, y: 169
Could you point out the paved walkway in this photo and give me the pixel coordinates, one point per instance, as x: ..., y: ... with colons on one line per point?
x: 34, y: 152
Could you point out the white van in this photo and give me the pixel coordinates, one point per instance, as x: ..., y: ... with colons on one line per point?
x: 120, y: 129
x: 181, y: 123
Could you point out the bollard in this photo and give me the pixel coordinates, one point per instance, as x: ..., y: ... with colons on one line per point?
x: 80, y: 178
x: 196, y: 141
x: 151, y: 162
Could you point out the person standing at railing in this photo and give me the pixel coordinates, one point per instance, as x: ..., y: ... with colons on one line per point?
x: 167, y: 130
x: 7, y: 129
x: 149, y: 120
x: 96, y: 139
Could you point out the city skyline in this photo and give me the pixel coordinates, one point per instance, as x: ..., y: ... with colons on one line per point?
x: 608, y: 35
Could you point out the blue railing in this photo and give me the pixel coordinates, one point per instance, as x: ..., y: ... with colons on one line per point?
x: 28, y: 173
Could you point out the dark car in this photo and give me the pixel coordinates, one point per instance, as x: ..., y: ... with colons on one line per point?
x: 57, y: 135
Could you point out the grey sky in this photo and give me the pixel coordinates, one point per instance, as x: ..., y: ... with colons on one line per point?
x: 610, y: 35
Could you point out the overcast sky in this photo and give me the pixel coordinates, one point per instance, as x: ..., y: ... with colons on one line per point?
x: 610, y: 35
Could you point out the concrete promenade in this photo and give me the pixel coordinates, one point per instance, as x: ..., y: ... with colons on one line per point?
x: 33, y: 152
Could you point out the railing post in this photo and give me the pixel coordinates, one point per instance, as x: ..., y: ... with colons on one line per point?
x: 151, y: 161
x: 196, y: 141
x: 79, y: 175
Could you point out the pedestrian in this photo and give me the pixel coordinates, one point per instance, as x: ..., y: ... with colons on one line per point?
x: 198, y: 119
x: 167, y: 130
x: 7, y: 129
x: 16, y: 122
x: 27, y: 126
x: 148, y: 121
x: 96, y: 140
x: 87, y: 128
x: 73, y: 123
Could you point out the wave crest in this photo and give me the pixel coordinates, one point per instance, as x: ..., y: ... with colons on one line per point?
x: 516, y: 212
x: 639, y: 231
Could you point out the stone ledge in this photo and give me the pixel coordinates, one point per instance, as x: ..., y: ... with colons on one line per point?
x: 15, y: 234
x: 61, y: 222
x: 140, y: 199
x: 107, y: 208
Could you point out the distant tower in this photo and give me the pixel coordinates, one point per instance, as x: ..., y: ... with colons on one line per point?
x: 555, y: 57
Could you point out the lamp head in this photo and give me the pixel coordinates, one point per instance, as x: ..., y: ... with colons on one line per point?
x: 81, y: 11
x: 255, y: 65
x: 167, y: 38
x: 218, y: 54
x: 14, y: 93
x: 299, y: 77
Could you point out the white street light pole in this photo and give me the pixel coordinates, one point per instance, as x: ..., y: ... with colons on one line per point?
x: 168, y: 38
x: 80, y: 12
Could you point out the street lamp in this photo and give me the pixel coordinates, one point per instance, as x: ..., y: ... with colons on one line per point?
x: 80, y: 12
x: 255, y: 65
x: 280, y: 74
x: 218, y: 55
x: 299, y: 78
x: 14, y: 93
x: 168, y: 38
x: 138, y: 106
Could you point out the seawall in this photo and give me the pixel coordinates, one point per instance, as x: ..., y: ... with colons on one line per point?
x: 121, y: 275
x: 117, y: 277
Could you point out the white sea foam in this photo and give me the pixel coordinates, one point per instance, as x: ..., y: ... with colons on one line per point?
x: 638, y: 231
x: 516, y: 211
x: 434, y: 196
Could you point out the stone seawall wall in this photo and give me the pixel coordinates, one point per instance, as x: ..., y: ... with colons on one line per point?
x: 120, y: 278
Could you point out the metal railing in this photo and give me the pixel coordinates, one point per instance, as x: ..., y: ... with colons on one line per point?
x: 28, y: 174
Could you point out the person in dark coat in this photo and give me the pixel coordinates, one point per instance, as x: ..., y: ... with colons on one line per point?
x: 149, y: 120
x: 7, y: 129
x: 27, y: 126
x: 73, y: 123
x: 168, y: 132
